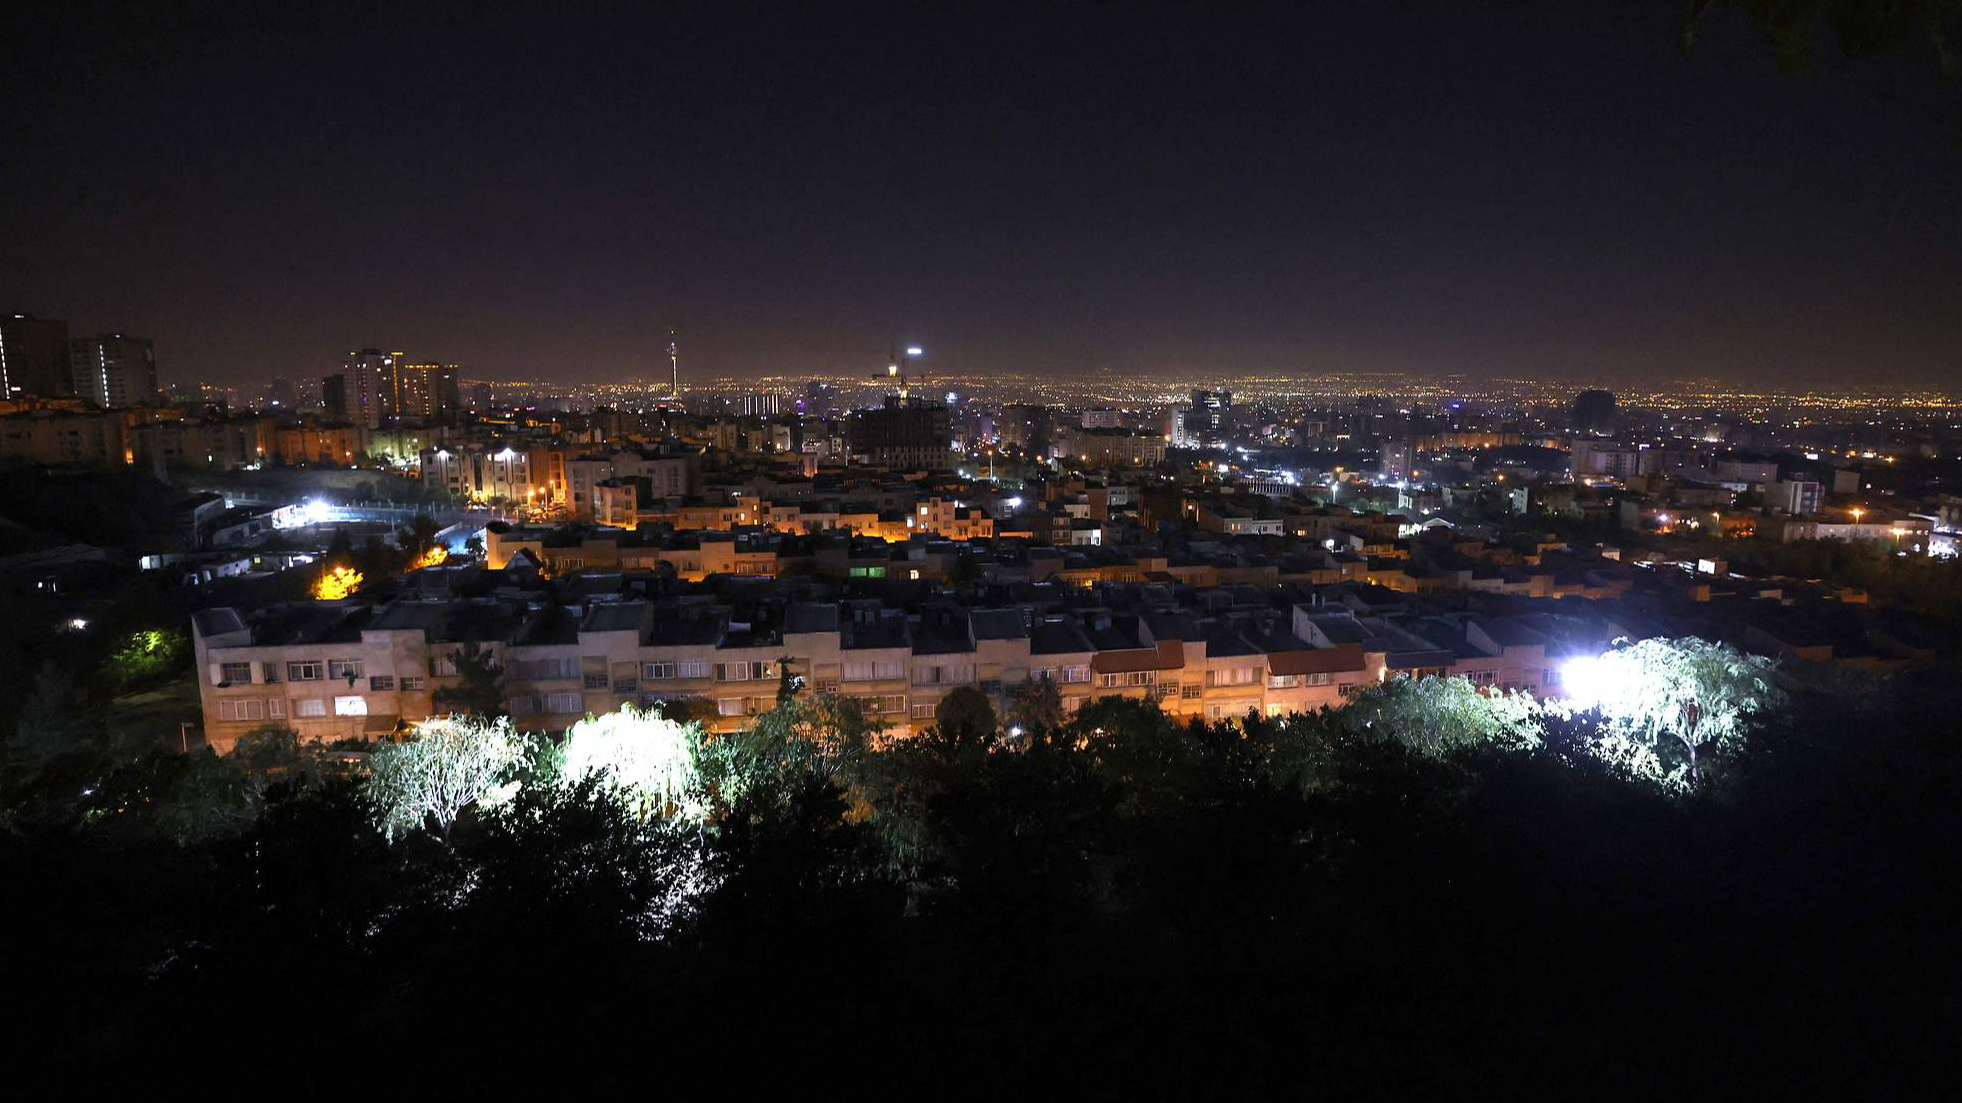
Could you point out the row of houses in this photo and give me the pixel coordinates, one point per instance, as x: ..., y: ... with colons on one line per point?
x: 337, y: 671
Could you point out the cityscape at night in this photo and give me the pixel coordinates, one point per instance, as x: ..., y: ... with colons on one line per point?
x: 1378, y: 551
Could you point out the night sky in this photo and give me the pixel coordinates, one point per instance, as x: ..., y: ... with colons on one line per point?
x: 1522, y: 189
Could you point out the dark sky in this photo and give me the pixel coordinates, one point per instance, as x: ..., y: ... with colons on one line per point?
x: 1529, y: 189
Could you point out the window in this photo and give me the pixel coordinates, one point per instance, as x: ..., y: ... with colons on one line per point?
x: 1551, y: 677
x: 413, y: 683
x: 1042, y: 674
x: 381, y: 683
x: 303, y: 672
x: 627, y: 684
x: 1127, y: 679
x: 595, y: 681
x: 310, y: 706
x: 943, y: 675
x: 732, y: 672
x: 656, y: 671
x: 874, y: 671
x: 1283, y: 681
x: 892, y: 704
x: 923, y: 712
x: 539, y: 670
x: 1191, y: 691
x: 829, y: 685
x: 692, y: 668
x: 1482, y: 677
x: 343, y: 669
x: 443, y: 666
x: 356, y: 705
x: 563, y: 702
x: 1317, y: 679
x: 249, y: 709
x: 1076, y: 673
x: 729, y: 706
x: 1235, y: 676
x: 276, y: 708
x: 868, y: 572
x: 991, y: 687
x: 271, y: 671
x: 234, y: 673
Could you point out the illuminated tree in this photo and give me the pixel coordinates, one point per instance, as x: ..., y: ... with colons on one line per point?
x: 1698, y: 693
x: 1437, y: 715
x: 335, y: 583
x: 453, y: 762
x: 644, y: 760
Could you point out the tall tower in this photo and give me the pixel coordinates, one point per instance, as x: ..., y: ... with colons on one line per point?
x: 674, y: 369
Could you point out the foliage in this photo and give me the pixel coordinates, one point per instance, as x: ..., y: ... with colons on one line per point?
x: 1693, y: 691
x: 1860, y: 27
x: 1435, y: 716
x: 640, y: 758
x: 450, y: 764
x: 335, y: 583
x: 1035, y: 706
x: 823, y: 737
x: 146, y: 655
x: 480, y: 692
x: 930, y: 890
x: 965, y: 716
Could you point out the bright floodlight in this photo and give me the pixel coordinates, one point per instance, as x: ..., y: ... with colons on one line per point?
x: 914, y: 350
x: 1013, y: 503
x: 317, y: 512
x: 1585, y: 680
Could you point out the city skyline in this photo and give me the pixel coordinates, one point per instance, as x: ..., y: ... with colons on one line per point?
x: 1555, y: 195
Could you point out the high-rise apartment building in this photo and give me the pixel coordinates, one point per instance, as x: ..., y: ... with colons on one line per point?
x: 1594, y: 412
x: 34, y: 357
x: 380, y: 388
x: 369, y: 387
x: 114, y: 369
x: 906, y: 432
x: 426, y: 392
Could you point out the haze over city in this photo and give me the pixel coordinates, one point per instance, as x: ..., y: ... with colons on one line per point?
x: 1552, y: 191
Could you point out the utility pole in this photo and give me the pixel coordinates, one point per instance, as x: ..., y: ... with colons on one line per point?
x: 674, y: 369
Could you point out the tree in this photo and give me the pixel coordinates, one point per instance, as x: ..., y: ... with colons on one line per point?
x: 418, y: 536
x: 965, y: 717
x: 453, y: 763
x: 1036, y: 707
x: 644, y: 760
x: 1697, y: 692
x: 481, y: 692
x: 788, y: 681
x: 1436, y: 715
x: 49, y: 722
x: 1862, y: 28
x: 822, y: 738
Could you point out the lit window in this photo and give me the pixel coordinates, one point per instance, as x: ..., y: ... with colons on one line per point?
x: 351, y: 706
